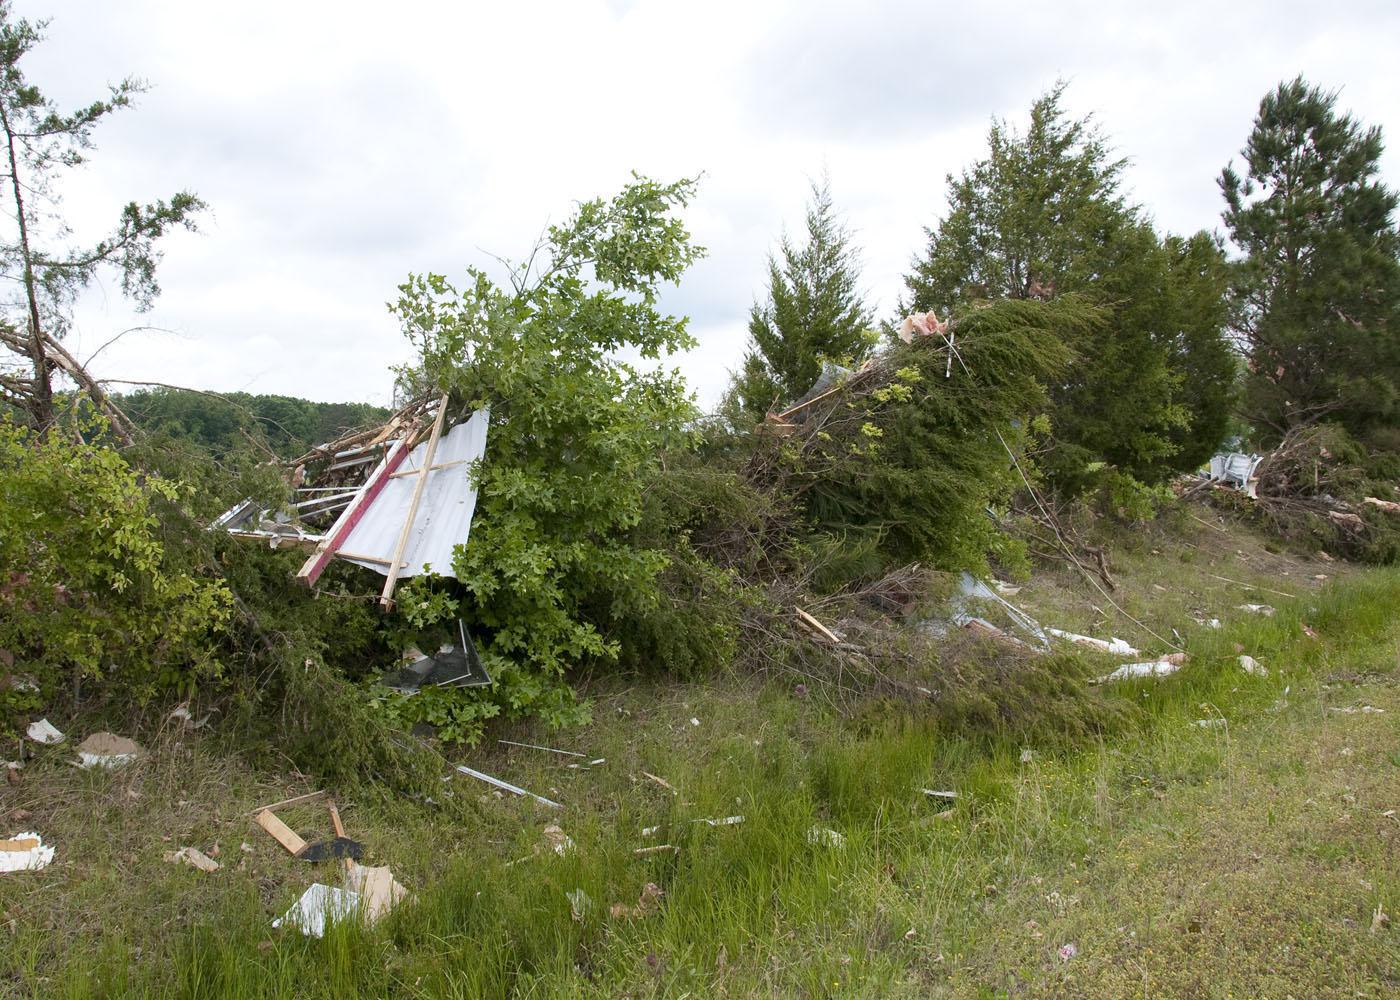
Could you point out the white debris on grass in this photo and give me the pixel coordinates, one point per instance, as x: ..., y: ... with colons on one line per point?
x: 1114, y: 645
x: 1209, y: 723
x: 193, y: 857
x: 43, y: 731
x: 106, y: 750
x: 318, y: 905
x: 1153, y: 668
x: 579, y: 904
x: 24, y: 852
x: 1253, y: 667
x: 724, y: 821
x: 1258, y: 609
x: 825, y: 837
x: 934, y: 793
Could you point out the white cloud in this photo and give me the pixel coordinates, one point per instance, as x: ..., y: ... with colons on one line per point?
x: 342, y: 145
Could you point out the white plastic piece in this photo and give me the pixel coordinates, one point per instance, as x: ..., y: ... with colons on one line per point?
x: 1115, y: 645
x: 318, y: 904
x: 1153, y: 668
x: 1253, y: 667
x: 43, y: 731
x: 825, y: 837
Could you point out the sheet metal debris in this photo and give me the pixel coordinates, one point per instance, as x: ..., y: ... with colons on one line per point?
x: 453, y: 665
x: 504, y: 786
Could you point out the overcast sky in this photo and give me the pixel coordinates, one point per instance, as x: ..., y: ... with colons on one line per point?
x: 343, y: 145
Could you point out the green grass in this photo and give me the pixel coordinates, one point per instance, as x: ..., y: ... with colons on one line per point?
x: 1243, y: 860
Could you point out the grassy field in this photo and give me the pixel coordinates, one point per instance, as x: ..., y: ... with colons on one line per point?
x: 1230, y: 836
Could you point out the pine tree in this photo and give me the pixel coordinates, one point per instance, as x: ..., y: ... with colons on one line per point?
x: 1318, y: 288
x: 814, y: 312
x: 1041, y: 216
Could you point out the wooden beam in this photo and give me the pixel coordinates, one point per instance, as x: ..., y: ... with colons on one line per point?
x: 280, y: 832
x: 817, y: 627
x: 312, y: 569
x: 435, y: 468
x: 386, y: 596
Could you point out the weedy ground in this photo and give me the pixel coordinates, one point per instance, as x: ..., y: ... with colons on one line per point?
x: 1238, y: 839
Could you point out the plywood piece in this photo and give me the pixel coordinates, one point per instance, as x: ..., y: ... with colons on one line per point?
x: 280, y: 832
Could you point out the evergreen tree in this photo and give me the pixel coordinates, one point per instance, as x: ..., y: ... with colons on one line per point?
x: 1041, y: 216
x: 814, y: 312
x: 1319, y: 283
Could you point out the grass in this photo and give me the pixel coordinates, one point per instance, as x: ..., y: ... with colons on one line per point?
x: 1240, y: 859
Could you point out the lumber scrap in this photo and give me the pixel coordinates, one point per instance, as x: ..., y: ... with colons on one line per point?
x: 280, y: 832
x: 386, y: 596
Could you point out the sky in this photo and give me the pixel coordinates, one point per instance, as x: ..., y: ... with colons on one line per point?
x: 342, y: 146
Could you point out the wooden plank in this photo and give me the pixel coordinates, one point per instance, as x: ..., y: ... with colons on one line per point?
x: 817, y: 626
x: 280, y: 832
x: 26, y: 844
x: 435, y: 468
x: 296, y: 801
x: 312, y: 569
x: 386, y: 596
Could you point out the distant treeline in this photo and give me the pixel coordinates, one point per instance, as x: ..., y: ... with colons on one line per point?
x: 225, y: 421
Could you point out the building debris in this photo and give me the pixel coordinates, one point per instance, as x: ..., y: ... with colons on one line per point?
x: 1152, y: 668
x: 454, y: 665
x: 193, y: 857
x: 935, y: 794
x: 821, y: 836
x: 553, y: 838
x: 1253, y: 667
x: 723, y: 821
x: 1258, y: 609
x: 386, y: 498
x: 182, y: 714
x: 642, y: 852
x: 1236, y: 470
x: 378, y: 890
x: 662, y: 782
x: 504, y: 786
x: 24, y: 852
x: 340, y: 848
x: 532, y: 746
x: 318, y: 906
x: 44, y: 732
x: 1389, y: 506
x: 818, y: 630
x: 579, y: 904
x: 107, y: 750
x: 1209, y: 723
x: 648, y: 901
x: 280, y: 832
x: 1112, y: 645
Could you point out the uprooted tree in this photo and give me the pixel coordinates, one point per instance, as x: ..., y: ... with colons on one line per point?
x: 38, y: 256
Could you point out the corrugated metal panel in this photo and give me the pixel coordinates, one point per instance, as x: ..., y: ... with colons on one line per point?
x: 444, y: 514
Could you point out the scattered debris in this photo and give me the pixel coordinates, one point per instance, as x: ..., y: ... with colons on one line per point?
x: 378, y: 890
x: 556, y: 840
x: 1209, y: 723
x: 338, y: 848
x: 725, y: 821
x: 825, y: 837
x: 579, y: 904
x: 1258, y: 609
x: 1027, y: 755
x: 662, y: 782
x: 1253, y: 667
x: 454, y: 665
x: 24, y: 852
x: 504, y: 786
x: 532, y: 746
x: 44, y: 732
x: 1389, y: 506
x: 647, y: 903
x: 182, y: 713
x: 1380, y: 920
x: 193, y: 857
x: 106, y: 750
x: 934, y: 794
x: 1005, y: 589
x: 1068, y: 951
x: 1307, y: 630
x: 1363, y: 709
x: 650, y: 831
x: 694, y: 721
x: 1153, y: 668
x: 643, y: 852
x: 280, y: 832
x: 319, y: 905
x: 1114, y: 645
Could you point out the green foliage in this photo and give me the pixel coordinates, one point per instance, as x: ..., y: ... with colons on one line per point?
x: 222, y: 423
x: 90, y: 595
x: 1150, y: 392
x: 555, y: 560
x: 814, y: 313
x: 919, y: 460
x: 1319, y: 285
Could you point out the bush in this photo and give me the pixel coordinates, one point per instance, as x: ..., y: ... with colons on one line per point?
x: 91, y: 598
